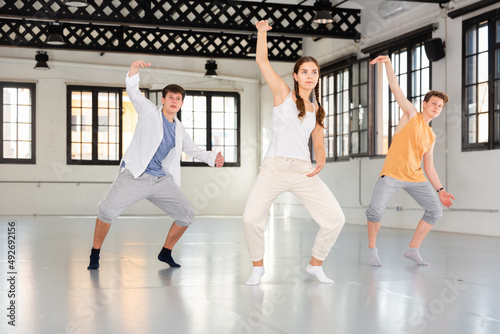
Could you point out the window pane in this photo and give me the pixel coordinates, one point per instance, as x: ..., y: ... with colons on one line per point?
x: 200, y: 119
x: 483, y: 98
x: 470, y: 70
x: 102, y: 136
x: 364, y: 71
x: 75, y: 134
x: 482, y: 67
x: 230, y: 105
x: 10, y: 131
x: 355, y: 142
x: 363, y: 119
x: 9, y: 150
x: 86, y: 151
x: 363, y: 95
x: 230, y: 154
x: 86, y: 99
x: 497, y: 126
x: 200, y: 103
x: 425, y: 81
x: 472, y: 133
x: 9, y: 113
x: 498, y: 31
x: 76, y: 152
x: 497, y: 64
x: 10, y: 96
x: 113, y: 152
x: 470, y: 41
x: 483, y: 128
x: 415, y: 58
x: 24, y: 150
x: 217, y: 120
x: 355, y: 120
x: 24, y: 132
x: 24, y: 114
x: 471, y: 99
x: 102, y: 151
x: 217, y: 138
x: 230, y: 121
x: 200, y: 137
x: 483, y: 38
x: 355, y: 74
x: 230, y: 137
x: 363, y: 142
x: 355, y: 97
x: 217, y: 103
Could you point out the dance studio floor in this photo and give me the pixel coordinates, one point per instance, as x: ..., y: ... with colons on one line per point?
x: 133, y: 292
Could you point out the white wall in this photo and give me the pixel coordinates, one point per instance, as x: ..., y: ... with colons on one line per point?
x: 76, y: 190
x: 472, y: 177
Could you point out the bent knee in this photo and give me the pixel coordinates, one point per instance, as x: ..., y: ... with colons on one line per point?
x: 432, y: 216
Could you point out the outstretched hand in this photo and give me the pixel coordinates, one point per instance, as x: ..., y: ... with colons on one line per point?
x: 446, y: 198
x: 380, y: 59
x: 263, y: 25
x: 219, y: 160
x: 319, y: 167
x: 134, y: 67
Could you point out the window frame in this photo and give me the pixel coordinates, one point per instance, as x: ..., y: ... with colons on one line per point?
x: 334, y: 69
x: 32, y: 87
x: 492, y: 18
x: 209, y: 94
x: 95, y: 125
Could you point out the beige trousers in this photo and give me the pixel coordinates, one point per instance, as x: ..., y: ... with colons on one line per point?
x: 277, y: 175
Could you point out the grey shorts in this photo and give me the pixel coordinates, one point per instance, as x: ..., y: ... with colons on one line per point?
x: 161, y: 191
x: 422, y: 192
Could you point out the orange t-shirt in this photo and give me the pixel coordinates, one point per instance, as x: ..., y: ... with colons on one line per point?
x: 404, y: 159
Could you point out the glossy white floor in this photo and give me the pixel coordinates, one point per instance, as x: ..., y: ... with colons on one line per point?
x: 133, y: 292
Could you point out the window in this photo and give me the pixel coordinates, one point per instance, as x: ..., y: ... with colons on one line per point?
x: 101, y: 123
x: 413, y: 71
x: 359, y: 109
x: 212, y: 121
x: 17, y: 114
x: 481, y: 83
x: 344, y: 95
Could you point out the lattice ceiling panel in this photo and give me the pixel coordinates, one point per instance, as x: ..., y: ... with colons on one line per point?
x: 144, y: 40
x: 211, y: 28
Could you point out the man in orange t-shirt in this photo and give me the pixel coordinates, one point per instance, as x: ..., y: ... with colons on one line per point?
x: 412, y: 140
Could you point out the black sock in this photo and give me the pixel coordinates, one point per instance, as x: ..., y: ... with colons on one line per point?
x: 166, y: 256
x: 94, y: 259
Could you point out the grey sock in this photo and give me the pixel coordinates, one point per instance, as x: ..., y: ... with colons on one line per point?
x: 414, y: 254
x: 373, y: 257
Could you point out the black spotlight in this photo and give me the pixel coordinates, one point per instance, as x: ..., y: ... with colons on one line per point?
x: 55, y: 34
x: 323, y: 10
x: 211, y: 66
x: 41, y: 60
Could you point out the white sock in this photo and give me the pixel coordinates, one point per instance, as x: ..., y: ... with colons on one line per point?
x: 318, y: 272
x: 414, y: 254
x: 254, y: 279
x: 373, y: 257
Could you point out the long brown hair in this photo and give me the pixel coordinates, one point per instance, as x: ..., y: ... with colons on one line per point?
x: 320, y: 113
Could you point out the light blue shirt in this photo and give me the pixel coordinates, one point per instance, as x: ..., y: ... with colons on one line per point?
x: 167, y: 143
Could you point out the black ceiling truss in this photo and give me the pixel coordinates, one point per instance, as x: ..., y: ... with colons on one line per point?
x: 217, y: 28
x: 100, y: 37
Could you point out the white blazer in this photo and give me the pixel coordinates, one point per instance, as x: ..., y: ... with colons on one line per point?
x: 149, y: 134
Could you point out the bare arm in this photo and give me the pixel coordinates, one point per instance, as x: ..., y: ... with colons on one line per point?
x: 406, y: 106
x: 432, y: 175
x: 278, y: 87
x: 319, y: 149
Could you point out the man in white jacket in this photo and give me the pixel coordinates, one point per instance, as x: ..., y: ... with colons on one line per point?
x: 150, y: 169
